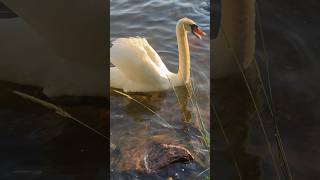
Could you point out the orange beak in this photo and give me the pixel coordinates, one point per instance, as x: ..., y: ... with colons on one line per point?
x: 198, y: 32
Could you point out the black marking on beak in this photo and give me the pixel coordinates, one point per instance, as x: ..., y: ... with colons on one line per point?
x: 193, y: 28
x: 196, y: 31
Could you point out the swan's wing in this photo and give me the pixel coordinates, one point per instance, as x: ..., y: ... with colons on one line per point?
x: 74, y: 29
x: 154, y: 55
x: 135, y: 58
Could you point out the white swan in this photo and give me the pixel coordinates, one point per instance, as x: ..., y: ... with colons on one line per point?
x: 58, y: 45
x: 138, y: 67
x: 238, y: 23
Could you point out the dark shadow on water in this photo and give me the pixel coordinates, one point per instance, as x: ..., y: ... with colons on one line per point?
x: 36, y: 143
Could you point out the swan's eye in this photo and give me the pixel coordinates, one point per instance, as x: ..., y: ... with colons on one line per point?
x: 193, y: 26
x: 197, y: 31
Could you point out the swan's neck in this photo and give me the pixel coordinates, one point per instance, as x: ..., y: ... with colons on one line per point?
x: 184, y: 54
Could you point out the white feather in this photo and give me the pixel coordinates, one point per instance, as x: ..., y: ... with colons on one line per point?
x: 138, y: 66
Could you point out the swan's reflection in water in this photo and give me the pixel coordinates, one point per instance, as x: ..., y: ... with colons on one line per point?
x: 233, y: 108
x: 241, y: 149
x: 135, y: 127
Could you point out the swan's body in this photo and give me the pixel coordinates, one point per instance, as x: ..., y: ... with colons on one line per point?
x: 138, y: 67
x: 58, y: 45
x: 238, y: 23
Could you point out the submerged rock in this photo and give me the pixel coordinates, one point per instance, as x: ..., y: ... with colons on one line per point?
x: 152, y: 157
x: 161, y: 155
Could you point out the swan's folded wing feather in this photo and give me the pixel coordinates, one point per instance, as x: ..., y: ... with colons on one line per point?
x: 135, y: 58
x: 74, y: 29
x: 153, y: 54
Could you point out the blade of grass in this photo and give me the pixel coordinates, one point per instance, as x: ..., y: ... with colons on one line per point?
x: 176, y: 94
x: 204, y: 135
x: 224, y: 134
x: 200, y: 174
x: 237, y: 61
x: 60, y: 112
x: 165, y: 123
x: 271, y: 103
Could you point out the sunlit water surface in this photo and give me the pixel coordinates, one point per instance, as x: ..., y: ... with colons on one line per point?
x: 133, y: 126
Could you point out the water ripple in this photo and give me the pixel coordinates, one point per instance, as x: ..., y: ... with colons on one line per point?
x: 156, y: 21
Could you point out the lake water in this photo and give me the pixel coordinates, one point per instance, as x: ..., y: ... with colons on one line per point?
x: 291, y: 33
x: 133, y: 126
x: 36, y: 143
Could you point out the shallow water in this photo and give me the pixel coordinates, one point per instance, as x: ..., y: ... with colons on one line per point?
x: 132, y: 126
x: 291, y: 35
x: 36, y: 143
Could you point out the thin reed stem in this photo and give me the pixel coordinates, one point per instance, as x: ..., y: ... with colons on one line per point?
x: 237, y: 61
x: 224, y: 134
x: 166, y: 124
x: 271, y: 104
x: 60, y: 112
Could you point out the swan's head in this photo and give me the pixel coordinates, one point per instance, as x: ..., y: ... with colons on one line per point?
x: 191, y: 26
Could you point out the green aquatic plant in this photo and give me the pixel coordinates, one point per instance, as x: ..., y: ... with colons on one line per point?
x: 203, y: 131
x: 205, y: 136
